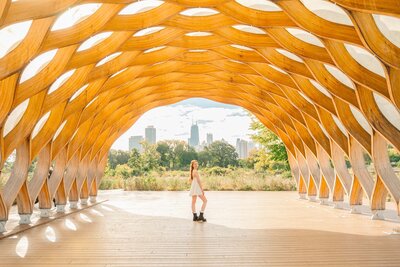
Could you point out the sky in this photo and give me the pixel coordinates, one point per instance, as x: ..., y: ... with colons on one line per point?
x: 173, y: 122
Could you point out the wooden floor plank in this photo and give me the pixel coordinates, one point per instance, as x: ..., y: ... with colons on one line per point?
x: 243, y: 229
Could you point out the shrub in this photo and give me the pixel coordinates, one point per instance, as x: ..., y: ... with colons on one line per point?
x: 218, y: 171
x: 286, y: 174
x: 246, y: 187
x: 111, y: 183
x: 144, y: 184
x: 216, y: 178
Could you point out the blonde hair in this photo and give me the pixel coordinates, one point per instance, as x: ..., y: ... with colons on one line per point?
x: 192, y: 168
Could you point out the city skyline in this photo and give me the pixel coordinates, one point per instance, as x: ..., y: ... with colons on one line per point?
x: 243, y: 147
x: 194, y: 139
x: 135, y: 141
x: 224, y: 121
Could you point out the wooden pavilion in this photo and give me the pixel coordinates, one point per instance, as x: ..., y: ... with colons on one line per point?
x: 323, y: 75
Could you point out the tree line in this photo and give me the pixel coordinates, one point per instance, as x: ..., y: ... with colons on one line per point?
x: 173, y: 155
x: 176, y: 155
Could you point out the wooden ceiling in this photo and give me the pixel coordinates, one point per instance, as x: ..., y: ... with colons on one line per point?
x: 324, y: 102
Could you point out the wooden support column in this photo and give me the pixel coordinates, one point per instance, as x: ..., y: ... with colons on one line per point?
x: 386, y: 181
x: 314, y: 171
x: 311, y: 189
x: 91, y: 179
x: 56, y: 181
x: 81, y: 182
x: 45, y: 201
x: 343, y: 177
x: 93, y: 191
x: 84, y: 195
x: 73, y: 195
x: 328, y: 175
x: 362, y: 179
x: 25, y: 205
x: 38, y: 186
x: 61, y: 196
x: 3, y: 214
x: 16, y: 184
x: 70, y: 181
x: 294, y: 168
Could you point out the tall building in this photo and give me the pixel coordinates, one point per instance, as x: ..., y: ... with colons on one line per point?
x: 135, y: 142
x: 194, y: 139
x: 241, y: 148
x: 209, y: 138
x: 150, y: 134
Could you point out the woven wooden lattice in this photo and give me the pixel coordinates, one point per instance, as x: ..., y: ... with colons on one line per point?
x: 294, y: 87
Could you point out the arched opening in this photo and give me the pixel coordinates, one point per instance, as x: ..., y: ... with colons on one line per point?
x: 323, y: 76
x: 157, y: 157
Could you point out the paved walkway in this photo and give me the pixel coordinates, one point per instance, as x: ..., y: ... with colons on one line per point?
x: 243, y: 229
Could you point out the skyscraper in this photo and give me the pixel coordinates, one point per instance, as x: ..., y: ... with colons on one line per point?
x: 194, y: 139
x: 150, y: 134
x: 209, y: 138
x: 134, y: 142
x: 241, y: 148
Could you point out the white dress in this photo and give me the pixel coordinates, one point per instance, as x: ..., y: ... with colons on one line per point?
x: 195, y: 189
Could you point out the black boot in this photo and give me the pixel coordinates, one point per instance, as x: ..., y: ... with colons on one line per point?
x: 201, y: 217
x: 195, y: 218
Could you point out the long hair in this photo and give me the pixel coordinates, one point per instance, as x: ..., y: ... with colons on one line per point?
x: 192, y: 168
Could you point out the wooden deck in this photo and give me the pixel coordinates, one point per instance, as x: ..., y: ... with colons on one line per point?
x: 243, y: 229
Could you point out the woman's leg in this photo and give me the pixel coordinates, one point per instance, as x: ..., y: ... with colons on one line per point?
x: 194, y: 204
x: 204, y: 199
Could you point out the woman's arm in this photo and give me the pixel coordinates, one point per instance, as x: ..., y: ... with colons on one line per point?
x: 197, y: 177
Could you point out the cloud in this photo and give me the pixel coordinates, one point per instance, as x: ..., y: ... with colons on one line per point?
x: 182, y: 134
x: 174, y: 121
x: 204, y: 121
x: 203, y: 103
x: 184, y: 113
x: 238, y: 114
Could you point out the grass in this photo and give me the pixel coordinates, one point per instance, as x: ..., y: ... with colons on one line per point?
x: 230, y: 180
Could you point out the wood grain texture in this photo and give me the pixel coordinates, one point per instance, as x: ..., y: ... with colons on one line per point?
x: 256, y: 229
x: 292, y: 86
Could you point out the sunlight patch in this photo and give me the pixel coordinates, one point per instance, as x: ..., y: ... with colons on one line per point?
x: 140, y: 6
x: 70, y: 225
x: 50, y: 234
x: 74, y: 15
x: 12, y: 35
x: 22, y: 247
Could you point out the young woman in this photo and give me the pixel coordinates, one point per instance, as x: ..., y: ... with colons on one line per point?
x: 196, y: 190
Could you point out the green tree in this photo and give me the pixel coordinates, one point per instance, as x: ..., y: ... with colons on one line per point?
x: 163, y: 149
x: 187, y: 156
x: 262, y: 160
x: 150, y: 157
x: 222, y: 154
x: 175, y: 146
x: 394, y: 156
x: 249, y: 162
x: 117, y: 157
x: 108, y: 170
x: 124, y: 172
x: 269, y: 140
x: 203, y: 158
x: 175, y: 154
x: 135, y: 162
x: 272, y: 155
